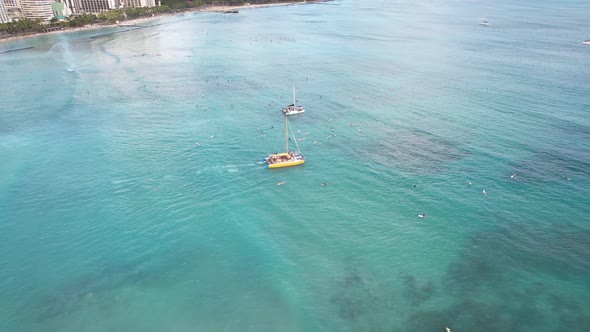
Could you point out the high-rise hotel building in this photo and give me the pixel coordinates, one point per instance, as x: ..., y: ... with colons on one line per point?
x: 34, y: 9
x: 138, y: 3
x: 95, y: 6
x: 71, y: 4
x: 4, y: 17
x: 13, y: 8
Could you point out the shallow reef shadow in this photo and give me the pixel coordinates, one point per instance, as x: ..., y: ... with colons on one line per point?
x: 488, y: 288
x: 415, y: 151
x: 414, y: 293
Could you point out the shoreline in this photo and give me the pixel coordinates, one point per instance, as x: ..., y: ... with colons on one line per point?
x: 207, y: 9
x: 86, y: 27
x: 221, y: 9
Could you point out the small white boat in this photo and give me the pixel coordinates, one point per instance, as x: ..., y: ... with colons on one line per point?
x: 587, y: 42
x: 484, y: 22
x: 293, y: 108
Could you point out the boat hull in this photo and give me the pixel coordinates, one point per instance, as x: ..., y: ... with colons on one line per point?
x: 287, y: 164
x: 293, y: 113
x: 295, y: 160
x: 292, y: 110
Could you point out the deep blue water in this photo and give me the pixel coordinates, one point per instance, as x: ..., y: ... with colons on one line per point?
x: 113, y: 219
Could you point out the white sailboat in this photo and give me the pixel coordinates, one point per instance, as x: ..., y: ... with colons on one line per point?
x: 484, y: 22
x: 293, y: 108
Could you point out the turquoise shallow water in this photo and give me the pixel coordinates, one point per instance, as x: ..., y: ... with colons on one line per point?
x: 113, y: 219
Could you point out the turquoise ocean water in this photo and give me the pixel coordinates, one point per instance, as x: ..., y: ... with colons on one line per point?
x: 113, y: 219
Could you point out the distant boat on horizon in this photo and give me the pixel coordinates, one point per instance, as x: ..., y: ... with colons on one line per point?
x: 587, y: 42
x: 484, y: 21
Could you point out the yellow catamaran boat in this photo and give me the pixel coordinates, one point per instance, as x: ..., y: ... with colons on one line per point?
x: 288, y: 158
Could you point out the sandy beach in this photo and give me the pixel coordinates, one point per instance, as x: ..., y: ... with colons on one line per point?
x: 226, y: 8
x: 89, y: 27
x: 213, y: 9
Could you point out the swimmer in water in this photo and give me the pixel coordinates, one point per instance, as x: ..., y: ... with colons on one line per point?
x: 469, y: 183
x: 448, y: 329
x: 513, y: 175
x: 424, y: 215
x: 566, y: 178
x: 413, y: 186
x: 198, y: 144
x: 324, y: 184
x: 484, y: 192
x: 281, y: 183
x: 314, y: 142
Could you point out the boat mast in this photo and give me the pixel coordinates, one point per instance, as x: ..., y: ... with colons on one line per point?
x: 286, y: 134
x: 294, y: 106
